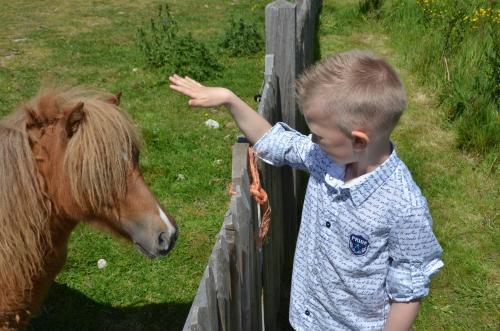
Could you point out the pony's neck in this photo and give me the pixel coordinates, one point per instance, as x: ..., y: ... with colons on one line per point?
x: 15, y: 316
x: 60, y: 232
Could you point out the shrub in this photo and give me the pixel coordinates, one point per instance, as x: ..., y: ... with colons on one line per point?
x: 370, y: 7
x: 241, y: 38
x: 165, y: 47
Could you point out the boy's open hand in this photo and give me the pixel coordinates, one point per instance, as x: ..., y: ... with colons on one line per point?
x: 199, y: 95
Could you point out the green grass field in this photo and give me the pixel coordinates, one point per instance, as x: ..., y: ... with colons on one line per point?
x: 94, y: 43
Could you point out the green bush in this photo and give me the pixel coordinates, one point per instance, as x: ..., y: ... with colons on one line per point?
x: 370, y: 7
x: 453, y: 46
x: 241, y: 38
x: 165, y: 47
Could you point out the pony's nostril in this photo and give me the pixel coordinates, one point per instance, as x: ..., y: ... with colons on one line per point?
x: 163, y: 240
x: 166, y: 243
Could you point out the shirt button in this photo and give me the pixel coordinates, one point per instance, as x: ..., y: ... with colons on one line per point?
x: 328, y: 224
x: 308, y: 312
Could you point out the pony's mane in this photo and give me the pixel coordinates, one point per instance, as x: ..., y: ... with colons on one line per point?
x: 96, y: 163
x: 24, y: 212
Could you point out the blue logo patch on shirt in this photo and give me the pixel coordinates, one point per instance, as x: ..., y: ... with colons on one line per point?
x: 358, y: 244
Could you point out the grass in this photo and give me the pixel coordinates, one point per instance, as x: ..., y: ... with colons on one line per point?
x: 458, y: 56
x: 93, y: 43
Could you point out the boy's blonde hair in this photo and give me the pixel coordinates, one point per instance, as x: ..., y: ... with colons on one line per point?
x: 360, y: 87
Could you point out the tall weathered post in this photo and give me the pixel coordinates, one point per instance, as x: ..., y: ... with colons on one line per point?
x: 244, y: 288
x: 290, y: 38
x: 281, y: 42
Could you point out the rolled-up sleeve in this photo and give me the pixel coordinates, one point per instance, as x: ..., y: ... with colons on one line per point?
x: 282, y: 145
x: 414, y: 254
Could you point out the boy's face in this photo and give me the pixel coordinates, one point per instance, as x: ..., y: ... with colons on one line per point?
x: 327, y: 134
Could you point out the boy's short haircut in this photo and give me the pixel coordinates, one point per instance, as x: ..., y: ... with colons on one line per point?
x: 360, y: 87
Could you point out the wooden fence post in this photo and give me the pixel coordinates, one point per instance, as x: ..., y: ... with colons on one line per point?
x: 281, y: 42
x: 290, y: 38
x: 243, y: 288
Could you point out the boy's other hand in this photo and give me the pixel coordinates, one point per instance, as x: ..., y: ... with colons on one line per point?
x: 199, y: 95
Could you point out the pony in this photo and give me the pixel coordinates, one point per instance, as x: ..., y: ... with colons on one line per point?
x: 67, y: 155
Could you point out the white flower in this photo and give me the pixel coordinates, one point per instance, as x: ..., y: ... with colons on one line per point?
x: 101, y: 264
x: 181, y: 177
x: 212, y: 124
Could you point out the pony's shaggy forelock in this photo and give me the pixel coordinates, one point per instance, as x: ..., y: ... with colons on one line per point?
x: 97, y: 157
x: 96, y: 162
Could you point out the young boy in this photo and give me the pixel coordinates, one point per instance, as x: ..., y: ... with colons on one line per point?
x: 366, y: 251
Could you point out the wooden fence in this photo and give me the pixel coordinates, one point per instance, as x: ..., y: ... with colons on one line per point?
x: 244, y: 287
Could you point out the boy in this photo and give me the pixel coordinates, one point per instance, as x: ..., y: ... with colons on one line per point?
x: 366, y: 251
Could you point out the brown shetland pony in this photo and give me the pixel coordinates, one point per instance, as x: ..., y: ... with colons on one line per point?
x: 67, y: 155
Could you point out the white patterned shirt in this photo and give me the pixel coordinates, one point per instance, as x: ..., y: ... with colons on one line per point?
x: 360, y: 244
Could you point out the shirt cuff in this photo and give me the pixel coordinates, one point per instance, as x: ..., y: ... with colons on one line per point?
x: 268, y: 148
x: 407, y: 281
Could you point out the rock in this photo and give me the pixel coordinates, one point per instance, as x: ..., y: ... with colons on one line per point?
x: 101, y: 264
x: 212, y: 124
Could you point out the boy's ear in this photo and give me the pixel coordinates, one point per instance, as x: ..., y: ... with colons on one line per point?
x: 360, y: 140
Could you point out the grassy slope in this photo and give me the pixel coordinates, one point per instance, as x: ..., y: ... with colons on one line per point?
x: 462, y: 194
x: 95, y: 45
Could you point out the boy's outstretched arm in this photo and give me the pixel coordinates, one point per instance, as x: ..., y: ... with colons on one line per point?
x: 401, y: 315
x: 250, y: 122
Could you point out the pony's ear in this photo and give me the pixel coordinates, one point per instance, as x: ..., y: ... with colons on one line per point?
x: 32, y: 118
x: 115, y: 100
x: 74, y: 120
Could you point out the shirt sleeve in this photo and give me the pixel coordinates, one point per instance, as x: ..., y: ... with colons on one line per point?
x: 414, y: 255
x: 282, y: 145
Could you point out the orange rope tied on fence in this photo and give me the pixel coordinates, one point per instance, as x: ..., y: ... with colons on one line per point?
x: 259, y: 195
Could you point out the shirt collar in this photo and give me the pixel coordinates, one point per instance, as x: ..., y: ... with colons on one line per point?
x: 362, y: 187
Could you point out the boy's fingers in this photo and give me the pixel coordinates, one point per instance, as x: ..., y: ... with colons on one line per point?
x: 189, y: 79
x: 182, y: 89
x: 194, y: 103
x: 181, y: 82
